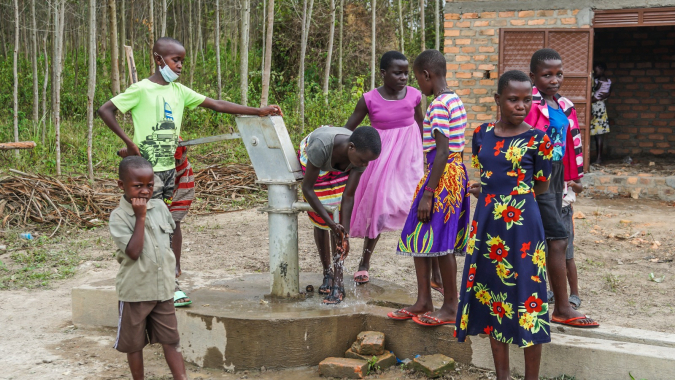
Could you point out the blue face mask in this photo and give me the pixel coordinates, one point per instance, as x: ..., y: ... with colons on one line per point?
x: 168, y: 74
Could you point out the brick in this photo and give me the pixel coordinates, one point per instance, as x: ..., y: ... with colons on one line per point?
x: 468, y: 33
x: 484, y: 116
x: 383, y: 361
x: 469, y: 15
x: 463, y: 75
x: 552, y: 21
x: 462, y: 58
x: 451, y: 66
x: 448, y: 24
x: 568, y: 21
x: 486, y: 67
x: 478, y: 108
x: 463, y: 41
x: 469, y: 82
x: 655, y: 137
x: 433, y: 366
x: 343, y: 368
x: 480, y: 91
x: 369, y: 343
x: 517, y: 22
x: 499, y: 23
x: 463, y: 91
x: 656, y: 151
x: 540, y: 21
x: 453, y: 16
x: 487, y: 32
x: 488, y: 15
x: 453, y: 83
x: 451, y: 50
x: 481, y: 23
x: 563, y: 12
x: 477, y: 74
x: 507, y: 14
x: 452, y: 33
x: 467, y: 66
x: 545, y: 13
x: 632, y: 180
x: 487, y: 82
x: 479, y: 57
x: 486, y: 49
x: 468, y: 49
x: 464, y: 24
x: 523, y: 14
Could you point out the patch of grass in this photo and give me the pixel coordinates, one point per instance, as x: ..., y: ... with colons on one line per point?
x: 613, y: 281
x: 35, y: 263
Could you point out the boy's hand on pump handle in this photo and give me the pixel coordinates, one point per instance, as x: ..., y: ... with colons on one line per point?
x: 132, y: 150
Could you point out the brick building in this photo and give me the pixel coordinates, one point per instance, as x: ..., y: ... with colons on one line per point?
x: 635, y: 38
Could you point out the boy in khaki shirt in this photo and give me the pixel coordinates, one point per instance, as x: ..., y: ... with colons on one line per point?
x: 140, y: 228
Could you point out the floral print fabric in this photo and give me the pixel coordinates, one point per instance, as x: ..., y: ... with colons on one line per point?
x: 503, y: 288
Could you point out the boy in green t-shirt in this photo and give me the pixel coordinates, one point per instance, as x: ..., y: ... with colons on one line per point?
x: 157, y: 104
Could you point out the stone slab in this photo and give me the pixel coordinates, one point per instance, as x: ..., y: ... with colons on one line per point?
x: 369, y: 343
x: 343, y: 368
x: 433, y: 366
x: 231, y: 326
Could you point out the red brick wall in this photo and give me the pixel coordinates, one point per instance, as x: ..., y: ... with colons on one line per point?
x: 641, y: 64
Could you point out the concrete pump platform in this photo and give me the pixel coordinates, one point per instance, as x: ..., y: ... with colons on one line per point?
x: 232, y: 325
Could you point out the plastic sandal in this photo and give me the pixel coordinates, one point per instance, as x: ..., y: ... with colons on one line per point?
x: 364, y: 277
x: 179, y: 294
x: 325, y: 287
x: 572, y: 322
x: 437, y: 322
x: 575, y: 301
x: 406, y: 315
x: 334, y: 299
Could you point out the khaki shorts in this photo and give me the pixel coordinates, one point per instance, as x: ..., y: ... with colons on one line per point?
x: 146, y: 322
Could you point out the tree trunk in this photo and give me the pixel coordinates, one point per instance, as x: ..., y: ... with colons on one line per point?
x: 306, y: 23
x: 192, y: 58
x: 400, y: 21
x: 267, y: 71
x: 412, y: 20
x: 200, y: 38
x: 16, y: 74
x: 331, y: 37
x: 437, y: 19
x: 373, y: 5
x: 114, y: 53
x: 45, y: 82
x: 56, y: 63
x: 217, y: 40
x: 264, y: 36
x: 123, y: 41
x: 91, y: 84
x: 151, y: 28
x: 36, y: 100
x: 342, y: 14
x: 243, y: 62
x: 163, y: 33
x: 423, y: 43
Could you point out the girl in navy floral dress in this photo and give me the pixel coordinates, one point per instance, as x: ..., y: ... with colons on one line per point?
x: 503, y: 288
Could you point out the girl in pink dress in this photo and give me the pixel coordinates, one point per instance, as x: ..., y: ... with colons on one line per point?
x: 382, y: 200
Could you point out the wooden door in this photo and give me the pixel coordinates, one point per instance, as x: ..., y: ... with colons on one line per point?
x: 575, y: 46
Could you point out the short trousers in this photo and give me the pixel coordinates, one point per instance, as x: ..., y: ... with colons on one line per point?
x: 550, y: 204
x: 568, y: 219
x: 165, y: 182
x: 146, y: 322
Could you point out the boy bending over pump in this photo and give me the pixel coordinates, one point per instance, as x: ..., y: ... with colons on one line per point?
x: 332, y: 160
x: 140, y: 228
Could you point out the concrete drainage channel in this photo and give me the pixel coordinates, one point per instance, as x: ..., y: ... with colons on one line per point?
x: 232, y: 325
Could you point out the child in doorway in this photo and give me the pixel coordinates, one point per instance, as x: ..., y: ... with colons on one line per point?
x: 505, y: 267
x: 602, y: 88
x: 557, y: 117
x: 572, y: 188
x: 395, y: 111
x: 145, y: 280
x: 437, y: 223
x: 157, y: 104
x: 333, y: 160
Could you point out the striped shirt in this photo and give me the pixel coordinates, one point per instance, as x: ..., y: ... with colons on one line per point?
x: 446, y: 114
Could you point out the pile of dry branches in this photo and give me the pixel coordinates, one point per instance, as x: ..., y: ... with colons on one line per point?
x: 38, y: 198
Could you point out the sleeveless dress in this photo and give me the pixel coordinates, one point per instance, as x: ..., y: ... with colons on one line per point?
x: 503, y: 288
x: 382, y: 199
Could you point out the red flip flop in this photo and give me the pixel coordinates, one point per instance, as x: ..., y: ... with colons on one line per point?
x: 571, y: 322
x: 437, y: 321
x: 408, y: 315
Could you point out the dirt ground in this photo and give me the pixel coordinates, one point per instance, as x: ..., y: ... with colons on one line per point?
x: 619, y: 242
x: 656, y: 166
